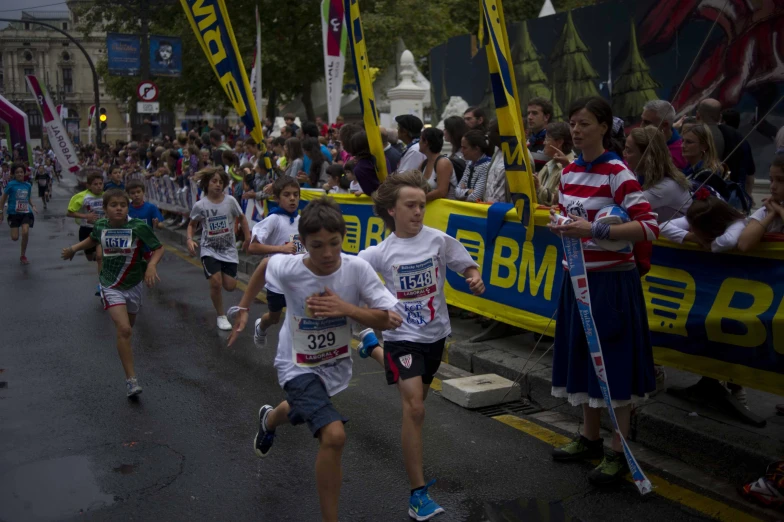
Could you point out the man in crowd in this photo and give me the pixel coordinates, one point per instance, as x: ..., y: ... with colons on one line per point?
x: 311, y: 130
x: 661, y: 114
x: 322, y: 127
x: 392, y: 154
x: 539, y: 114
x: 288, y: 131
x: 218, y: 146
x: 409, y: 127
x: 475, y: 118
x: 731, y: 118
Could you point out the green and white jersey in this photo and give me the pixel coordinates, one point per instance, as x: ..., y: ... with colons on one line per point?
x: 85, y: 202
x: 123, y: 260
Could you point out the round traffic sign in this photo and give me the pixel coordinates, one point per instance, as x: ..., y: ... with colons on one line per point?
x: 147, y: 91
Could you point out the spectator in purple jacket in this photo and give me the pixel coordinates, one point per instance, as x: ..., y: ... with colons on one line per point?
x: 661, y: 114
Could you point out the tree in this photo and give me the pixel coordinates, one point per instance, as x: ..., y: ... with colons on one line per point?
x: 635, y: 86
x: 531, y: 79
x: 573, y: 74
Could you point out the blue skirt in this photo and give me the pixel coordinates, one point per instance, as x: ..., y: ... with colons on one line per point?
x: 621, y: 321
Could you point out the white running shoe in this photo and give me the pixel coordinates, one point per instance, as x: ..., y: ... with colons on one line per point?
x: 133, y: 387
x: 223, y: 323
x: 259, y: 335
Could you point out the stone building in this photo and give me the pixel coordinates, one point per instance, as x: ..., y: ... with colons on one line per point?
x: 28, y: 48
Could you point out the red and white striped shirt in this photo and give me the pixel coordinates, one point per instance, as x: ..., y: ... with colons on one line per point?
x: 586, y: 188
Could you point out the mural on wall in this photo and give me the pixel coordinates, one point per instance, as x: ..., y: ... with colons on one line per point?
x: 633, y: 51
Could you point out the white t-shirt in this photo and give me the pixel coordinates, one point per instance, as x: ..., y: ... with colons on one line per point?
x: 668, y: 199
x: 321, y: 346
x: 777, y: 227
x: 412, y: 159
x: 677, y: 229
x: 414, y: 270
x: 217, y: 230
x: 355, y: 188
x: 274, y: 230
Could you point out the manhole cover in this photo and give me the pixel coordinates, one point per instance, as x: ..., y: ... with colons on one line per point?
x: 521, y: 407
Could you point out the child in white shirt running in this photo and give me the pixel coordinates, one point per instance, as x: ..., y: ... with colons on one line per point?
x: 413, y: 261
x: 278, y: 233
x: 323, y: 290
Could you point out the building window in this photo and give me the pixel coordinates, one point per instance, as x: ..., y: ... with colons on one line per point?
x: 28, y: 56
x: 65, y: 26
x: 27, y: 26
x: 34, y: 120
x: 2, y: 83
x: 66, y: 56
x: 67, y: 79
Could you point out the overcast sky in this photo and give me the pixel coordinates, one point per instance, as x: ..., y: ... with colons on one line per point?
x: 13, y: 8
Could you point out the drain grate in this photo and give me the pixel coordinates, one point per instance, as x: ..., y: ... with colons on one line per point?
x: 521, y: 407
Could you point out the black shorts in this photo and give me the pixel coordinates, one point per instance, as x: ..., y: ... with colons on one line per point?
x: 407, y: 359
x: 17, y: 220
x: 310, y: 403
x: 212, y: 266
x: 42, y: 191
x: 275, y: 301
x: 84, y: 233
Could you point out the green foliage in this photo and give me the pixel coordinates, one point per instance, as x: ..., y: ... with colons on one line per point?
x: 573, y: 74
x: 531, y: 79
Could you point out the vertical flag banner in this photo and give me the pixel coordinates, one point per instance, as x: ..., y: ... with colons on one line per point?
x: 124, y: 54
x: 165, y: 56
x: 210, y: 22
x: 359, y: 58
x: 58, y: 137
x: 255, y: 73
x: 334, y: 34
x: 18, y: 128
x: 90, y: 120
x: 507, y: 105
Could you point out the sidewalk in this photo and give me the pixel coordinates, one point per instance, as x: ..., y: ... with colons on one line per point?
x: 701, y: 437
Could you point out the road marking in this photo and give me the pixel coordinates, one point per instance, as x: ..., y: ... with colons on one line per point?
x: 188, y: 259
x: 662, y: 487
x: 436, y: 384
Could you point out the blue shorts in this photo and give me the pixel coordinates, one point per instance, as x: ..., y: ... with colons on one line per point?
x: 275, y: 301
x: 307, y: 396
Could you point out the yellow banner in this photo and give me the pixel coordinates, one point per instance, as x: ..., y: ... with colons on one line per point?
x: 367, y: 101
x: 508, y: 112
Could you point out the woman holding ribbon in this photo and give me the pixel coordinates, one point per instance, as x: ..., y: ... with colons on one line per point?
x: 604, y: 274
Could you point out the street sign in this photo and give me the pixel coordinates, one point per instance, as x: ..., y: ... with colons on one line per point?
x: 148, y: 107
x: 147, y: 91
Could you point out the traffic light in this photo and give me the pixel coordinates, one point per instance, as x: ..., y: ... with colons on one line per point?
x: 102, y: 118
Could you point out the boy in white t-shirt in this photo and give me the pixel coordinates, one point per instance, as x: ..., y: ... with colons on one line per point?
x: 278, y: 233
x: 413, y: 261
x: 323, y: 290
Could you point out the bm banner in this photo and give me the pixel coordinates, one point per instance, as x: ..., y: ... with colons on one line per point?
x: 719, y: 315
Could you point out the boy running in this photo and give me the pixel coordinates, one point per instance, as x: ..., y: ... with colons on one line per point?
x: 87, y: 208
x: 141, y: 209
x: 412, y: 261
x: 17, y: 193
x: 123, y: 271
x: 115, y: 180
x: 44, y: 181
x: 278, y: 233
x: 217, y: 212
x: 323, y: 290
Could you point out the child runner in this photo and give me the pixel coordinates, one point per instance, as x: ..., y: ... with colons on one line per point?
x: 115, y: 179
x: 278, y: 233
x: 141, y: 209
x: 87, y: 208
x: 323, y: 290
x: 217, y: 212
x: 123, y: 271
x: 413, y: 260
x: 44, y: 181
x: 17, y: 193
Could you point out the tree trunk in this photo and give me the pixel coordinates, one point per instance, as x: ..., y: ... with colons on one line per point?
x: 308, y: 102
x: 272, y: 105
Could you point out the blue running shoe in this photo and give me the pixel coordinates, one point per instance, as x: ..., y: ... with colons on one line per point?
x: 367, y: 341
x: 421, y: 506
x: 264, y: 439
x: 98, y: 290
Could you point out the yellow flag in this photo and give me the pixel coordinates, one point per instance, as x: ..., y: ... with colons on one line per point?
x: 507, y: 105
x: 362, y: 73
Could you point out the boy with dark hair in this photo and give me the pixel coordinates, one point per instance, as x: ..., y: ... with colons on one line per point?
x: 324, y: 289
x: 87, y: 208
x: 18, y: 193
x: 115, y: 180
x: 141, y: 209
x: 123, y: 271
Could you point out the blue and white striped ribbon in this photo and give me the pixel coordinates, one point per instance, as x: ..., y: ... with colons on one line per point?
x: 573, y: 250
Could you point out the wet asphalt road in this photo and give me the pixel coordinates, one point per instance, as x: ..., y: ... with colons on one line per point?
x: 73, y: 447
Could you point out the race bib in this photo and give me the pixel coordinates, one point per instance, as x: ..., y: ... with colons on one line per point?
x: 117, y: 242
x: 217, y: 226
x: 320, y: 341
x: 42, y: 182
x: 416, y: 281
x: 294, y: 238
x: 22, y: 202
x: 96, y: 206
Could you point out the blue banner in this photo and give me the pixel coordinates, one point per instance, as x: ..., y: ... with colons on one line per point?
x: 165, y: 56
x: 124, y: 52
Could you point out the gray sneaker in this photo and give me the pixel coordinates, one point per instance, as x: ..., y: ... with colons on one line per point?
x: 133, y: 387
x: 259, y: 335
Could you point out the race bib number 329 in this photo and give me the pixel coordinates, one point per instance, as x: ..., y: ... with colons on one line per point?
x: 320, y: 341
x: 415, y: 281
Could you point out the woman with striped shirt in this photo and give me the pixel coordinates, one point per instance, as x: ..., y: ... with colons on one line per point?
x: 597, y: 179
x: 472, y: 185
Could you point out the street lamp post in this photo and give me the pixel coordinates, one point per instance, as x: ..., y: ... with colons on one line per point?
x: 89, y: 62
